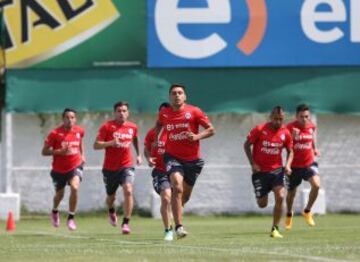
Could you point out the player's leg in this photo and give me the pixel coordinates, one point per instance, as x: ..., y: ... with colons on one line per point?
x: 165, y: 211
x: 73, y: 199
x: 314, y: 181
x: 127, y: 182
x: 111, y: 182
x: 59, y: 182
x: 279, y: 193
x: 192, y: 170
x: 292, y: 182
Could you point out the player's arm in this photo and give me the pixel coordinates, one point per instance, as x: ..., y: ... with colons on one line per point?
x: 149, y: 158
x: 136, y: 144
x: 207, y: 132
x: 82, y: 152
x: 315, y: 149
x: 289, y: 159
x: 248, y: 151
x: 100, y: 142
x: 104, y: 144
x: 47, y: 150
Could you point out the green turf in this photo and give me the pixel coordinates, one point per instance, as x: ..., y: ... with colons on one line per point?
x: 243, y: 238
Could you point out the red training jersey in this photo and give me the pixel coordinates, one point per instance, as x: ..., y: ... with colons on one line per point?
x: 177, y: 124
x: 303, y: 143
x: 61, y: 137
x: 268, y: 144
x: 120, y: 156
x: 158, y: 151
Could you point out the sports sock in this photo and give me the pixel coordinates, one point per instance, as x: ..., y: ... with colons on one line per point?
x: 71, y: 215
x: 126, y: 220
x: 111, y: 210
x: 55, y: 211
x: 306, y: 210
x: 289, y: 214
x: 177, y: 226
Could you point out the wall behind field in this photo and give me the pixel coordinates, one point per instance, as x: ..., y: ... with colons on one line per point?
x: 224, y: 185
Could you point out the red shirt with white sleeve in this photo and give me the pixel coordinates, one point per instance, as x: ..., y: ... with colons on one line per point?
x: 61, y: 137
x: 177, y: 124
x: 303, y: 143
x: 158, y: 151
x: 120, y: 156
x: 268, y: 144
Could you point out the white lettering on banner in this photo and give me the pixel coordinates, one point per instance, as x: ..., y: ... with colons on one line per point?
x: 310, y: 17
x: 168, y: 17
x: 304, y: 146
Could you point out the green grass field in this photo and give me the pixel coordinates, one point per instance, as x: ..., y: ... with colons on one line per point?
x: 243, y: 238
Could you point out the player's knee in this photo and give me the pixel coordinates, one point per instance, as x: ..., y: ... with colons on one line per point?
x: 316, y: 186
x: 262, y: 203
x: 178, y: 189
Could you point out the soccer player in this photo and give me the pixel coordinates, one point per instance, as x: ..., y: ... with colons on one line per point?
x: 182, y: 149
x: 263, y: 148
x: 303, y: 166
x: 65, y: 145
x: 116, y: 137
x: 154, y: 155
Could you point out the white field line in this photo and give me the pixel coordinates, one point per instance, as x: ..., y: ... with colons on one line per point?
x: 214, y: 249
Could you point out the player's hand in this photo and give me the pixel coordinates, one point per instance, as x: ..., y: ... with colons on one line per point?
x: 191, y: 136
x: 288, y: 170
x: 83, y: 159
x: 65, y: 150
x: 138, y: 160
x: 151, y: 161
x: 255, y: 168
x: 317, y: 153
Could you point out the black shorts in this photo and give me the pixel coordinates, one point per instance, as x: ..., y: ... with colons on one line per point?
x: 113, y: 179
x: 264, y: 182
x: 299, y: 174
x: 60, y: 180
x: 190, y: 170
x: 160, y: 181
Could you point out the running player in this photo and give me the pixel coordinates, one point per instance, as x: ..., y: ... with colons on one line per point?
x: 304, y: 167
x: 182, y: 150
x: 263, y: 149
x: 65, y: 145
x: 115, y: 137
x: 161, y: 183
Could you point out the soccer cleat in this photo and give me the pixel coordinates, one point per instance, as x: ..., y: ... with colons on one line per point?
x: 71, y: 224
x: 125, y: 229
x: 169, y: 236
x: 181, y: 233
x: 55, y: 219
x: 275, y: 233
x: 289, y: 221
x: 113, y: 219
x: 309, y: 218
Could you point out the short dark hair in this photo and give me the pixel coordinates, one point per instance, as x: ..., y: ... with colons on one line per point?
x: 66, y: 110
x: 302, y: 108
x: 165, y: 104
x: 120, y: 103
x: 277, y: 110
x: 177, y: 85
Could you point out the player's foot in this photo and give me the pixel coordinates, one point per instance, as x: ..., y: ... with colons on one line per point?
x: 180, y: 232
x: 275, y: 233
x: 169, y: 236
x: 71, y: 224
x: 289, y: 221
x: 309, y: 218
x: 55, y: 219
x: 113, y: 219
x: 125, y: 229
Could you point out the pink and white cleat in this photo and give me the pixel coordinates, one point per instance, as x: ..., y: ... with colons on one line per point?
x: 125, y: 229
x: 71, y: 224
x: 113, y: 219
x: 55, y: 219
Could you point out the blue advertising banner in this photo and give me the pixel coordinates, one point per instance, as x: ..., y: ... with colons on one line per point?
x: 235, y: 33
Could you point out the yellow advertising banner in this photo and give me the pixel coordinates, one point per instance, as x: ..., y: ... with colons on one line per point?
x: 37, y: 30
